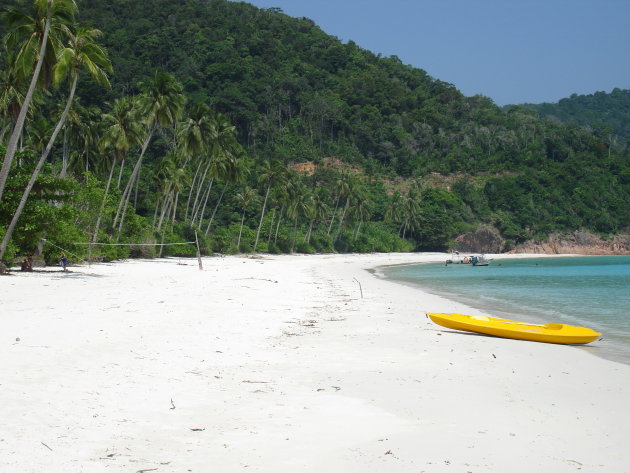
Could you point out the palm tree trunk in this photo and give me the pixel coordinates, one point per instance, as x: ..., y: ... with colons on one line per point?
x: 356, y: 234
x: 174, y: 211
x: 343, y: 216
x: 64, y: 155
x: 155, y: 211
x: 275, y: 240
x: 38, y: 168
x: 262, y: 215
x: 214, y: 212
x: 19, y: 124
x: 192, y: 187
x: 201, y: 181
x: 238, y: 244
x: 273, y: 219
x: 307, y: 238
x: 205, y: 201
x: 294, y: 234
x: 100, y: 212
x: 333, y: 215
x: 122, y: 165
x: 124, y: 201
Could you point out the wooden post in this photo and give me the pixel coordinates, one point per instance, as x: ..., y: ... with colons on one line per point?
x: 198, y: 252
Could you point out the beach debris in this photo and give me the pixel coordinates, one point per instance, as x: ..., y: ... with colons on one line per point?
x: 255, y: 382
x: 198, y: 429
x: 389, y: 452
x: 146, y: 469
x: 494, y: 355
x: 337, y: 388
x: 46, y: 446
x: 172, y: 405
x: 17, y: 339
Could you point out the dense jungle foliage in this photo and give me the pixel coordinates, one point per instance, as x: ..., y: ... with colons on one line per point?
x: 256, y: 131
x: 605, y: 112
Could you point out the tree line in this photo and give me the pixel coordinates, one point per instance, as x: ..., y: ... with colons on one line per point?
x: 185, y: 117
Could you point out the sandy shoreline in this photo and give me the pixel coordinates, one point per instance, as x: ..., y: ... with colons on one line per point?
x: 278, y: 364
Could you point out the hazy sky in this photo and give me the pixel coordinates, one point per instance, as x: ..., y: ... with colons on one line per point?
x: 512, y: 51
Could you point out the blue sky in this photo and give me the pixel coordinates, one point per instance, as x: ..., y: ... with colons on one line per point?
x: 512, y: 51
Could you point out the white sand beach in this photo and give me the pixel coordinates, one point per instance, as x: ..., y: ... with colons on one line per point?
x: 281, y: 364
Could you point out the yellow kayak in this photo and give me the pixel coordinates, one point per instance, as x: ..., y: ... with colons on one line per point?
x: 549, y: 333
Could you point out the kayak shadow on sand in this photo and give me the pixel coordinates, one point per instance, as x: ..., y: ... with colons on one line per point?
x: 589, y: 349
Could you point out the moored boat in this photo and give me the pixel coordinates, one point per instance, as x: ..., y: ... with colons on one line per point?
x: 548, y: 333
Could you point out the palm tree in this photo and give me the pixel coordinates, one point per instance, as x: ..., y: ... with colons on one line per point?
x: 222, y: 146
x: 269, y: 174
x: 161, y: 104
x: 301, y: 204
x: 192, y: 135
x: 348, y: 190
x: 122, y: 130
x: 342, y: 190
x: 81, y: 52
x: 318, y: 213
x: 360, y: 211
x: 11, y: 99
x: 29, y: 37
x: 236, y: 170
x: 245, y: 198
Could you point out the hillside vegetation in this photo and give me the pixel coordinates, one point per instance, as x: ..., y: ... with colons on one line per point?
x: 212, y: 105
x: 605, y: 112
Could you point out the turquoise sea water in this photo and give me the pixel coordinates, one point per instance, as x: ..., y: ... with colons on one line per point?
x: 593, y: 291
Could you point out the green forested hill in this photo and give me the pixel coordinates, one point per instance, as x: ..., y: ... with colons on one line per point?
x: 401, y: 160
x: 604, y: 111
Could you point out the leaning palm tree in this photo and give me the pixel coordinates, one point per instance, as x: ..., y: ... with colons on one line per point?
x: 270, y: 173
x: 81, y: 52
x: 161, y: 103
x: 236, y: 168
x: 245, y: 198
x: 122, y: 130
x: 28, y: 35
x: 192, y: 136
x: 301, y: 204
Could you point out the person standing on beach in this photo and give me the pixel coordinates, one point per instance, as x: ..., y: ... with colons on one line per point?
x: 64, y: 261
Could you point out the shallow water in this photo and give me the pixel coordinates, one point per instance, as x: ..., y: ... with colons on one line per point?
x: 592, y: 291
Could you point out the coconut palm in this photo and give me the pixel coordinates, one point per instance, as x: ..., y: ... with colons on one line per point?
x: 122, y: 130
x: 360, y: 210
x: 301, y: 204
x: 192, y: 135
x: 34, y: 45
x: 342, y: 185
x: 11, y: 99
x: 81, y: 52
x: 318, y: 213
x: 245, y: 199
x: 161, y: 104
x: 270, y: 173
x: 236, y: 171
x: 222, y: 146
